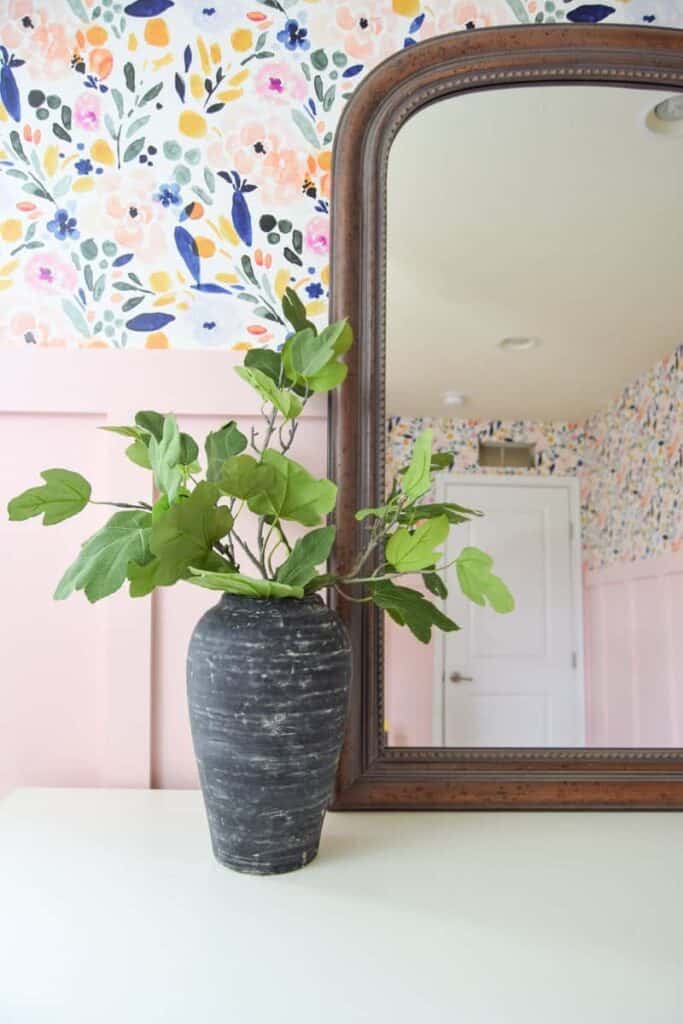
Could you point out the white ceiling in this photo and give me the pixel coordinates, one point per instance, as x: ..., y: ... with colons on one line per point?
x: 546, y: 211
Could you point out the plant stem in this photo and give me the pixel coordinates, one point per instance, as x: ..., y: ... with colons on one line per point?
x: 247, y: 550
x: 123, y: 504
x: 355, y: 600
x: 393, y: 575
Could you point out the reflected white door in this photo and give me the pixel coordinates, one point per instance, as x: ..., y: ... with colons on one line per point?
x: 517, y: 679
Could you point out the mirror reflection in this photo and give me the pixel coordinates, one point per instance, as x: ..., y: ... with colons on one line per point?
x: 534, y: 322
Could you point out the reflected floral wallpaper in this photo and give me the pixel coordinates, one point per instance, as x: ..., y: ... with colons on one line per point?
x: 628, y: 458
x: 165, y: 164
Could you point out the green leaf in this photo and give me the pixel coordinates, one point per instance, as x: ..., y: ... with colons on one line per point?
x: 519, y: 10
x: 138, y: 453
x: 284, y: 401
x: 124, y: 431
x: 326, y: 579
x: 221, y: 445
x: 243, y: 477
x: 244, y: 586
x: 143, y: 578
x: 376, y: 513
x: 165, y: 456
x: 308, y: 553
x: 129, y: 75
x: 319, y: 60
x: 413, y: 550
x: 188, y: 450
x: 417, y: 479
x: 64, y: 494
x: 118, y: 101
x: 294, y: 311
x: 79, y: 10
x: 454, y: 513
x: 410, y: 608
x: 76, y: 317
x: 151, y: 94
x: 294, y: 494
x: 306, y: 128
x: 151, y: 422
x: 307, y: 352
x: 185, y: 535
x: 477, y: 582
x: 101, y: 566
x: 312, y: 359
x: 435, y: 584
x: 442, y: 460
x: 134, y: 150
x: 331, y: 376
x: 265, y: 360
x: 89, y: 249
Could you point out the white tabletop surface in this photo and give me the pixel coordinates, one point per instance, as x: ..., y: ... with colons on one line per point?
x: 112, y: 910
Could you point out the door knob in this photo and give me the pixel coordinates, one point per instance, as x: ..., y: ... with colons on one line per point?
x: 458, y: 677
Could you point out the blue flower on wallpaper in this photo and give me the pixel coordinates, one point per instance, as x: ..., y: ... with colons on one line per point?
x: 168, y: 195
x: 314, y: 290
x: 84, y: 165
x: 293, y: 36
x: 63, y: 226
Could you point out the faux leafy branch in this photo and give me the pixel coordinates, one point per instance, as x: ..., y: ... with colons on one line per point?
x: 194, y: 531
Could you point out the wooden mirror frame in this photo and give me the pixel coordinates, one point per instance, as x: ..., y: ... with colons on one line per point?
x: 372, y: 775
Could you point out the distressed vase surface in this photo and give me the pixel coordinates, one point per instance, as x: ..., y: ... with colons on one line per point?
x: 268, y: 684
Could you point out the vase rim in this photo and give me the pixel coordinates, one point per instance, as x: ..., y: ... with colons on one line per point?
x: 243, y: 599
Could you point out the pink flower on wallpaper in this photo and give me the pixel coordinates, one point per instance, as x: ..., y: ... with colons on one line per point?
x: 87, y: 111
x: 281, y: 83
x: 367, y: 32
x: 49, y: 273
x: 268, y: 154
x: 26, y: 328
x: 318, y: 235
x: 449, y: 16
x: 122, y: 207
x: 48, y: 45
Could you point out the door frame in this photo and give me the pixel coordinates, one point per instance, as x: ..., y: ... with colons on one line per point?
x: 523, y: 479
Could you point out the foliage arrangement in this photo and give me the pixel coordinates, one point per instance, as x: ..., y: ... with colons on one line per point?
x: 194, y: 529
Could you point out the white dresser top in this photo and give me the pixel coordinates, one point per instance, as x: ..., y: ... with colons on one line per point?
x: 112, y: 911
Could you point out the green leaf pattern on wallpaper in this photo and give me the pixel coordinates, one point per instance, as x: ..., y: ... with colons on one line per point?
x: 165, y: 164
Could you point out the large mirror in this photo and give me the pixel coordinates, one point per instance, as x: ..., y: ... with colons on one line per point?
x: 534, y: 321
x: 507, y: 224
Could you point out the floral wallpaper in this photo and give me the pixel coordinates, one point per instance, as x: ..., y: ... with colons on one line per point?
x: 165, y: 164
x: 628, y: 458
x: 632, y: 472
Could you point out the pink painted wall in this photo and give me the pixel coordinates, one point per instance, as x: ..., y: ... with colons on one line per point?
x: 634, y: 653
x: 95, y: 695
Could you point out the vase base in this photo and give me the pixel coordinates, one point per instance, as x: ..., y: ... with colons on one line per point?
x: 281, y: 867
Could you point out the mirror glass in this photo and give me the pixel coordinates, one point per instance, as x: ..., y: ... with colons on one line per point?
x: 534, y: 322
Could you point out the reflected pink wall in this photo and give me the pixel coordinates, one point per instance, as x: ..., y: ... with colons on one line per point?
x: 633, y: 661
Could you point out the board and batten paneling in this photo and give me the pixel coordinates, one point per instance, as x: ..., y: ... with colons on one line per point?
x: 95, y: 695
x: 634, y: 653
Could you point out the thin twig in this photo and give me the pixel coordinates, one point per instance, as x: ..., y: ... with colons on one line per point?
x: 394, y: 575
x: 247, y: 550
x: 123, y: 504
x: 355, y: 600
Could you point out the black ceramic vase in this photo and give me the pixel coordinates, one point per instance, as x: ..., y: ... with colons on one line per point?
x: 268, y: 684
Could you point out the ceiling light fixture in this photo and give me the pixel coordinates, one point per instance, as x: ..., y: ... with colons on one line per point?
x: 520, y: 343
x: 666, y: 117
x: 670, y: 110
x: 454, y: 398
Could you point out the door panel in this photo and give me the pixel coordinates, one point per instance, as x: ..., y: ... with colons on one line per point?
x: 522, y: 682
